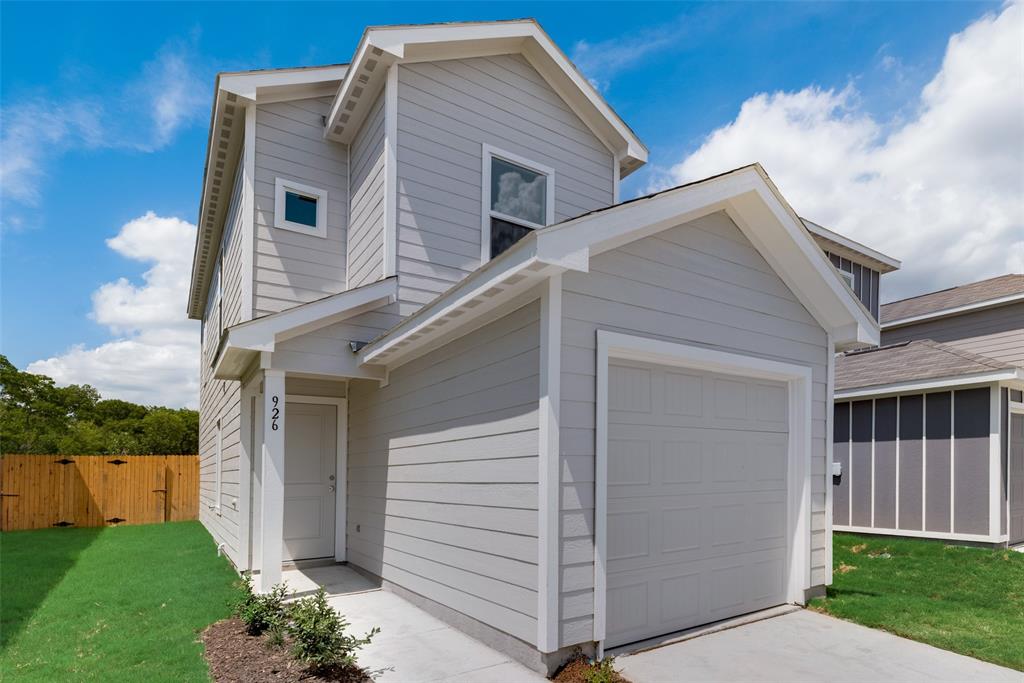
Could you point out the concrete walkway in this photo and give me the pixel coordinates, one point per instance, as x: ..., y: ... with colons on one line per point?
x: 805, y: 646
x: 414, y: 647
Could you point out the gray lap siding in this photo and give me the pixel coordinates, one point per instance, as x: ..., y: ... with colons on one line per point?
x: 443, y: 471
x: 700, y: 283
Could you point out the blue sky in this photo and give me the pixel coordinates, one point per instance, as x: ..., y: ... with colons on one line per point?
x: 106, y: 107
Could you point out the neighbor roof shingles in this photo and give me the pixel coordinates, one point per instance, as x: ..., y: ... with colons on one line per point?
x: 954, y: 297
x: 918, y: 360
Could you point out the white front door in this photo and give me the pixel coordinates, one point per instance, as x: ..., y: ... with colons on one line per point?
x: 310, y: 469
x: 697, y: 466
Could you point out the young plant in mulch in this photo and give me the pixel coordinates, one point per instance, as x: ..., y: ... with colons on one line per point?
x: 319, y: 637
x: 261, y: 612
x: 270, y: 640
x: 583, y: 669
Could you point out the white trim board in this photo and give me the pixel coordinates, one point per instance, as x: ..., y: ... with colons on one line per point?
x: 799, y: 482
x: 341, y: 466
x: 913, y: 533
x: 956, y: 310
x: 549, y: 472
x: 923, y: 386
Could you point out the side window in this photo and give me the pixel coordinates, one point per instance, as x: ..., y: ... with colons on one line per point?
x: 300, y: 208
x: 518, y: 196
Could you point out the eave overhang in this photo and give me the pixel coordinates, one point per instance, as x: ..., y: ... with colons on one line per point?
x: 746, y: 195
x: 380, y: 47
x: 233, y: 93
x: 851, y: 249
x: 1012, y: 377
x: 955, y: 310
x: 244, y: 342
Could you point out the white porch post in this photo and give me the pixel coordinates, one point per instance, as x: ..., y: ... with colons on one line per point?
x: 272, y: 508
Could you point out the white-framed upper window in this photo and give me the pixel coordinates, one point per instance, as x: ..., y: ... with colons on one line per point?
x: 300, y: 208
x: 518, y: 196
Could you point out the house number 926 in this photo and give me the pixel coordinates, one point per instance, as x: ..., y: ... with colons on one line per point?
x: 275, y: 414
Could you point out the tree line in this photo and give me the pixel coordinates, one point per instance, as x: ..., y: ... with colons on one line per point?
x: 37, y: 416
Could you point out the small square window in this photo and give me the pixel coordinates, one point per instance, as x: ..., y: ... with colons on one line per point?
x: 517, y: 200
x: 300, y: 208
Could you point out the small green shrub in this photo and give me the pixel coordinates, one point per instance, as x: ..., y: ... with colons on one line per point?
x: 602, y: 671
x: 318, y: 632
x: 260, y: 612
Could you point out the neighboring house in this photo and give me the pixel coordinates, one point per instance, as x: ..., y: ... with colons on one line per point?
x: 929, y: 428
x: 438, y: 347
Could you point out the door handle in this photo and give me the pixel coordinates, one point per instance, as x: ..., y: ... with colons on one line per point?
x: 331, y: 488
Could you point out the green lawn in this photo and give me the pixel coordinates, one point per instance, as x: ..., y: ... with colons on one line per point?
x: 110, y: 604
x: 968, y: 600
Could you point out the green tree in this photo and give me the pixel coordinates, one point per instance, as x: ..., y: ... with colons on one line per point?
x: 37, y: 416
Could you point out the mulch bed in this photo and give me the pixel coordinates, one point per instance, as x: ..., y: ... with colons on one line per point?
x: 236, y: 657
x: 576, y: 671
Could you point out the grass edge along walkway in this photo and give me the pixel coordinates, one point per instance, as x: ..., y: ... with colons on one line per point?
x: 966, y: 600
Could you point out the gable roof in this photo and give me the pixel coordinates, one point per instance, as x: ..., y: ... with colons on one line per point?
x: 964, y: 298
x: 842, y: 245
x: 382, y: 46
x: 233, y: 93
x: 745, y: 194
x: 916, y: 361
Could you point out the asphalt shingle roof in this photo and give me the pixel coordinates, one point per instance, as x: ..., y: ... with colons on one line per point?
x: 954, y: 297
x: 921, y: 359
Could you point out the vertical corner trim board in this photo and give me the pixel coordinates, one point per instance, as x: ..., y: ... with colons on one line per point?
x: 917, y: 463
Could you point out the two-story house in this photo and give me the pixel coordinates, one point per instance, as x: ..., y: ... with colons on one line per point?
x: 929, y: 427
x: 438, y: 346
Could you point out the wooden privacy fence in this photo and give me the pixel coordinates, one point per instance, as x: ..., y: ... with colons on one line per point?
x: 40, y: 491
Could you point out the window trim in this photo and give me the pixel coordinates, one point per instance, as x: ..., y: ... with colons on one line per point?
x: 490, y: 152
x: 281, y: 185
x: 847, y: 277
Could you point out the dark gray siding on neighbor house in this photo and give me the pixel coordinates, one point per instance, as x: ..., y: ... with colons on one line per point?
x: 995, y: 332
x: 937, y: 432
x: 865, y: 281
x: 893, y: 478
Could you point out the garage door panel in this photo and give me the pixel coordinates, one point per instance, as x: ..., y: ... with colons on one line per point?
x: 672, y: 597
x: 697, y: 502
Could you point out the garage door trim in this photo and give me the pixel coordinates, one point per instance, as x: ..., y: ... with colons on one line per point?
x: 798, y: 382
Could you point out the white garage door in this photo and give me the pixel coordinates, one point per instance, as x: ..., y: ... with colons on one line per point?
x: 696, y: 498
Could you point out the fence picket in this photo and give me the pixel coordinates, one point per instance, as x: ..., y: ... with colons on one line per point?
x: 40, y: 492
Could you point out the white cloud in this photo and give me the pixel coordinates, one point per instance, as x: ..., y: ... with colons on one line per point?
x: 143, y: 114
x: 154, y: 358
x: 942, y: 188
x: 603, y: 60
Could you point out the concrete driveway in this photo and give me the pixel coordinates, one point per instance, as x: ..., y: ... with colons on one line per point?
x: 805, y: 646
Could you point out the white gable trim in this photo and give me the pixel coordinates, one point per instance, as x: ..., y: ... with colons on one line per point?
x: 745, y: 195
x: 753, y: 203
x: 881, y: 263
x: 381, y: 47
